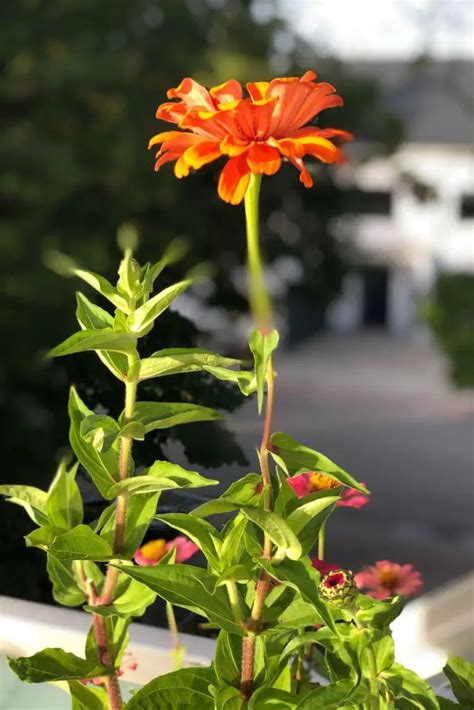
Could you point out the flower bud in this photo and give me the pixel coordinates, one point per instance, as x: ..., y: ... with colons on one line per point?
x: 338, y: 588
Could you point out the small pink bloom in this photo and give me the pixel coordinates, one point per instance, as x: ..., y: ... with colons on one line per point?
x: 384, y: 579
x: 301, y: 484
x: 323, y: 567
x: 150, y: 553
x: 184, y: 547
x: 351, y: 498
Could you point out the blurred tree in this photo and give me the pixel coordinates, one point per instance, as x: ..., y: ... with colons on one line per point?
x: 79, y: 87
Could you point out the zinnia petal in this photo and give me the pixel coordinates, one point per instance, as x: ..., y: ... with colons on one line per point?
x: 234, y: 180
x: 227, y: 92
x: 192, y: 93
x: 262, y: 158
x: 202, y: 153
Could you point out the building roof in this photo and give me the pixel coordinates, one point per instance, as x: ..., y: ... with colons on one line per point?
x: 434, y: 99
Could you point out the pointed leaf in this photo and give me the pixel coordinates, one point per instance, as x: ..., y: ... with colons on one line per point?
x: 55, y: 664
x: 246, y: 381
x: 64, y: 504
x: 92, y: 317
x: 277, y: 530
x: 304, y: 579
x: 161, y: 415
x: 87, y: 697
x: 131, y: 598
x: 460, y: 674
x: 141, y: 510
x: 81, y: 543
x: 104, y: 287
x: 66, y: 588
x: 161, y: 476
x: 262, y: 346
x: 199, y: 531
x: 189, y: 587
x: 181, y: 690
x: 102, y: 467
x: 32, y: 499
x: 105, y: 339
x: 293, y: 457
x: 179, y: 360
x: 144, y: 316
x: 306, y: 519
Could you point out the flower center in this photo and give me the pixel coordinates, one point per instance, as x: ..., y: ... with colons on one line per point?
x: 388, y: 577
x: 320, y: 482
x: 334, y: 580
x: 154, y: 550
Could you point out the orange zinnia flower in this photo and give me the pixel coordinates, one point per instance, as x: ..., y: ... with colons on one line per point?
x: 255, y: 133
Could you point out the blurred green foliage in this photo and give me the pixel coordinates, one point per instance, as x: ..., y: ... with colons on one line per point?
x: 80, y: 82
x: 450, y: 314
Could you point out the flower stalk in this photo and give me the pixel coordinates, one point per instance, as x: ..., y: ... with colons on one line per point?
x: 261, y: 310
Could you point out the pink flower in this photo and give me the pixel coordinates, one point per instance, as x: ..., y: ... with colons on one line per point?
x: 323, y: 567
x: 313, y: 481
x: 184, y: 547
x: 384, y: 579
x: 351, y: 498
x: 152, y: 552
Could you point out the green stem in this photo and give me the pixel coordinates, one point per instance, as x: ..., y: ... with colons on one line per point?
x: 234, y: 600
x: 322, y: 541
x: 260, y: 303
x: 374, y: 703
x: 178, y: 648
x: 111, y: 682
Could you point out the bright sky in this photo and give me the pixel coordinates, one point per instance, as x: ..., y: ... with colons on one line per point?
x: 397, y: 29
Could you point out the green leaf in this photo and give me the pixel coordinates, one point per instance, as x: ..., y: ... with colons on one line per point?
x: 33, y: 500
x: 105, y: 339
x: 460, y: 674
x: 244, y: 490
x: 404, y: 683
x: 100, y: 430
x: 141, y: 510
x: 66, y: 587
x: 293, y: 456
x: 215, y: 507
x: 175, y: 361
x: 330, y: 697
x: 307, y: 519
x: 378, y: 613
x: 64, y: 504
x: 55, y: 664
x: 162, y: 475
x: 228, y: 698
x: 92, y: 317
x: 262, y: 347
x: 81, y: 543
x: 277, y: 530
x: 246, y: 381
x: 301, y: 576
x: 175, y: 251
x: 272, y: 699
x: 162, y: 415
x: 87, y: 697
x: 104, y: 287
x: 189, y: 587
x: 199, y: 531
x: 236, y: 573
x: 186, y: 689
x: 41, y: 537
x: 131, y: 598
x: 144, y: 316
x: 232, y: 551
x: 102, y: 467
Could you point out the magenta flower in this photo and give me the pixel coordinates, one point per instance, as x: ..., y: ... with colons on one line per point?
x: 313, y: 481
x: 323, y: 567
x: 151, y: 552
x: 384, y: 579
x: 351, y: 498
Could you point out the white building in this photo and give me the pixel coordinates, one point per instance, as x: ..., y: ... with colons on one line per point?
x: 417, y: 216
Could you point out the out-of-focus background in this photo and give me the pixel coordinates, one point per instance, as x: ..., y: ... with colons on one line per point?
x: 372, y: 271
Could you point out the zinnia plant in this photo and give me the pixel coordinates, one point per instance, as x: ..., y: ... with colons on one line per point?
x: 292, y: 632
